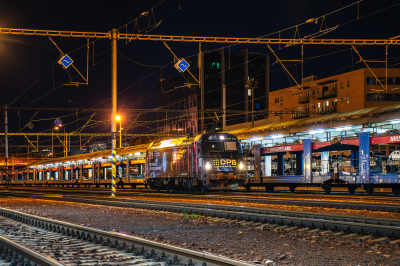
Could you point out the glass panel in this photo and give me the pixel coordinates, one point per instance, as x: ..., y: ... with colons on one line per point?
x: 230, y: 146
x: 215, y: 146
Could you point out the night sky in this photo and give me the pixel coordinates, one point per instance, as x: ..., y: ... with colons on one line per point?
x: 29, y: 59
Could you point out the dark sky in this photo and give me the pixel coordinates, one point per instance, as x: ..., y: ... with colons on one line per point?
x: 23, y: 59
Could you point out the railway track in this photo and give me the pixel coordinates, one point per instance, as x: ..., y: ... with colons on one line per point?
x: 70, y: 244
x: 339, y: 204
x: 240, y: 214
x: 238, y: 194
x: 13, y: 253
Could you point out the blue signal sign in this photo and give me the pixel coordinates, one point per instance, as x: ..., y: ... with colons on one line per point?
x: 30, y: 126
x: 58, y: 122
x: 182, y: 65
x: 65, y: 61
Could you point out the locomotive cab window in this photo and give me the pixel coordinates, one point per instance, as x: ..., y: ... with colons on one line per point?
x: 230, y: 146
x: 215, y: 146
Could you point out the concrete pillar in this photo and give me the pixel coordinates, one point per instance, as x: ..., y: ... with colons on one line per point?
x: 201, y: 80
x: 245, y: 54
x: 267, y: 82
x: 223, y: 88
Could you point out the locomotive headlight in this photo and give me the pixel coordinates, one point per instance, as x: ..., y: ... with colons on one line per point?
x: 208, y: 165
x: 241, y: 166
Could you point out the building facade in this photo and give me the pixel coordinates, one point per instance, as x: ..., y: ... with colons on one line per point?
x: 223, y: 88
x: 346, y: 92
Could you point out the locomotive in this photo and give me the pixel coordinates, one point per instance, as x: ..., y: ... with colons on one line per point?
x: 208, y: 161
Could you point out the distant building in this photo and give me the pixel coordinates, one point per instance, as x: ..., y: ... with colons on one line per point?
x: 218, y: 70
x: 346, y: 92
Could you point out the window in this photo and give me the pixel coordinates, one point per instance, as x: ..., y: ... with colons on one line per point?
x: 230, y: 146
x: 341, y: 101
x: 276, y: 100
x: 313, y: 92
x: 341, y: 85
x: 300, y: 108
x: 383, y: 97
x: 390, y: 81
x: 307, y: 108
x: 334, y: 87
x: 348, y: 100
x: 371, y: 81
x: 308, y: 93
x: 249, y: 92
x: 382, y: 80
x: 334, y: 102
x: 348, y: 84
x: 326, y: 103
x: 281, y: 101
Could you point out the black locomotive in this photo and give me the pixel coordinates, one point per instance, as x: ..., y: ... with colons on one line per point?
x: 207, y: 161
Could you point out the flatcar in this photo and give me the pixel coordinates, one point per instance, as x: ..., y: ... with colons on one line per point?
x: 204, y: 162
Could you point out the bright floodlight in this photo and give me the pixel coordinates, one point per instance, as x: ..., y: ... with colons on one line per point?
x: 395, y: 122
x: 118, y: 118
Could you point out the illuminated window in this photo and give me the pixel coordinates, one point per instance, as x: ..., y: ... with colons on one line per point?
x: 348, y: 100
x: 218, y: 66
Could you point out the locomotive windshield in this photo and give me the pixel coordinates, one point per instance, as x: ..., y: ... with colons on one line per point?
x: 223, y: 147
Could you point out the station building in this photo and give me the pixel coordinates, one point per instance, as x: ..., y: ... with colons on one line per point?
x: 220, y: 69
x: 351, y: 91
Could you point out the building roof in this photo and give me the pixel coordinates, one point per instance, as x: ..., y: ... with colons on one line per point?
x: 243, y: 133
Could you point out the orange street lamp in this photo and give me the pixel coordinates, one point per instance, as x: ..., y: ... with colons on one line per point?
x: 118, y: 118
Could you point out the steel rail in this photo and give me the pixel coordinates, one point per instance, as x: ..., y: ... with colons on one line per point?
x: 201, y: 39
x: 118, y: 240
x: 238, y: 199
x: 27, y: 253
x: 332, y: 222
x: 387, y: 196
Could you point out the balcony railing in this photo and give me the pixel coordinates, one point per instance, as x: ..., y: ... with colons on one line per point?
x: 327, y: 110
x: 304, y: 99
x: 326, y: 94
x: 298, y: 115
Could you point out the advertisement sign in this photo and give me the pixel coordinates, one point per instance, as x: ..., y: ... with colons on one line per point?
x: 307, y: 160
x: 364, y: 157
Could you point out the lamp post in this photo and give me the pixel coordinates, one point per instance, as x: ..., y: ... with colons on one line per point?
x: 118, y: 118
x: 52, y: 142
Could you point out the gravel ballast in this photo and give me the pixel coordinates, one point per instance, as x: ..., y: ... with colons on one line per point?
x: 268, y: 246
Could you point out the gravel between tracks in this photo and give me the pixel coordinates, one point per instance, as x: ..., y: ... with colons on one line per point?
x: 289, y: 207
x: 226, y: 239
